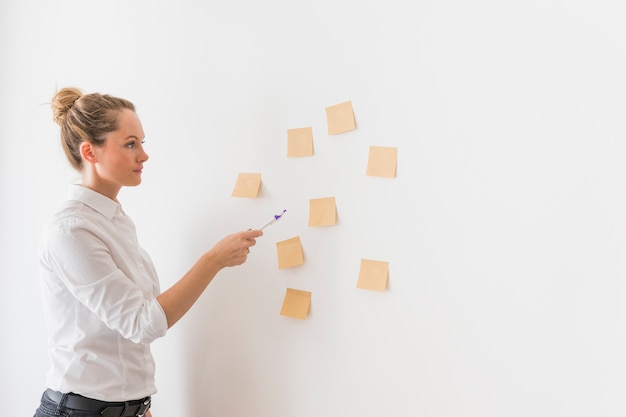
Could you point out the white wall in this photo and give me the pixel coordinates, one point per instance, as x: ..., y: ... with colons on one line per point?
x: 505, y: 228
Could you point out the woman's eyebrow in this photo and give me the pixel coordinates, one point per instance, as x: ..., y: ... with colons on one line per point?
x: 131, y: 137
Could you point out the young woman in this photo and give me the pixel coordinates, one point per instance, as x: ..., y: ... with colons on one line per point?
x: 101, y: 294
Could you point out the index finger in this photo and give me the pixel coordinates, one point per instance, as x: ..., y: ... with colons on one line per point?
x: 252, y: 233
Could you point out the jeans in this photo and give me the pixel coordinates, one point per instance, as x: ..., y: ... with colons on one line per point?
x: 49, y: 408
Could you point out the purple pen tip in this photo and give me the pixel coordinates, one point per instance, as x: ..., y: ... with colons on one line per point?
x: 278, y: 216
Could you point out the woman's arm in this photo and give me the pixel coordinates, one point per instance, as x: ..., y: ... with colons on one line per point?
x: 230, y: 251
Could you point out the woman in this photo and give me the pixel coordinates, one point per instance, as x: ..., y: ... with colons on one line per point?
x: 101, y: 294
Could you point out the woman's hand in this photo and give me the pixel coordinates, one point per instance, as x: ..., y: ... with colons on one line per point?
x: 233, y: 249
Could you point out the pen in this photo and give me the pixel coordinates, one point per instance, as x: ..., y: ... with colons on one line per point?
x: 273, y: 219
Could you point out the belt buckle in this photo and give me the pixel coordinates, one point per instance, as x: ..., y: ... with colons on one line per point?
x: 145, y: 406
x: 113, y: 411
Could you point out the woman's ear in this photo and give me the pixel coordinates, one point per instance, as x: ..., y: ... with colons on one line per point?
x: 87, y: 152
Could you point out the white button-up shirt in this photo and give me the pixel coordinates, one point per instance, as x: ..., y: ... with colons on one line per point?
x: 99, y: 294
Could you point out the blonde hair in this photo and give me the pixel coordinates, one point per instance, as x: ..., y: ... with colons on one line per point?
x: 85, y: 118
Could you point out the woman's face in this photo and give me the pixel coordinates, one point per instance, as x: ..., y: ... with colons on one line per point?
x: 120, y: 161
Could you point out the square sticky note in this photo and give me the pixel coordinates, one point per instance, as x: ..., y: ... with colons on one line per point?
x: 300, y: 142
x: 382, y: 162
x: 373, y: 275
x: 247, y: 185
x: 296, y: 304
x: 340, y: 118
x: 290, y: 253
x: 322, y: 211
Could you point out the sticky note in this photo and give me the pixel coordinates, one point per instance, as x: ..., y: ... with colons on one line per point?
x: 382, y: 162
x: 247, y: 185
x: 299, y: 142
x: 296, y: 304
x: 322, y: 212
x: 373, y: 275
x: 340, y: 118
x: 290, y: 253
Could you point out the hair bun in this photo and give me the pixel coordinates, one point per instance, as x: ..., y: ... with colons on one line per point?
x: 63, y: 101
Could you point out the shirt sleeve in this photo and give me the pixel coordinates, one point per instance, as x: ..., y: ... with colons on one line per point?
x: 84, y: 263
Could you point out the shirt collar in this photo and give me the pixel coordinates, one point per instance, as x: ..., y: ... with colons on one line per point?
x: 95, y: 200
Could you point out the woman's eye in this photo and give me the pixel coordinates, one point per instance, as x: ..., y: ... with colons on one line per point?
x: 133, y: 143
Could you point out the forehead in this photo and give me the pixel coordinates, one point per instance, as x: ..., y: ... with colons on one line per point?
x: 128, y: 124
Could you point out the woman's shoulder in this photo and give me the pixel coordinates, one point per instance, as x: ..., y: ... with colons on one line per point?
x: 73, y: 214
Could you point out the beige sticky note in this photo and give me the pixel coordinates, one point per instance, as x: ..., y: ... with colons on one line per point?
x: 247, y: 185
x: 296, y: 304
x: 300, y: 142
x: 382, y: 162
x: 290, y: 253
x: 373, y: 275
x: 340, y: 118
x: 322, y: 211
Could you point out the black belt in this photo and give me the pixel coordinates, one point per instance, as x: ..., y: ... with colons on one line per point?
x: 106, y: 408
